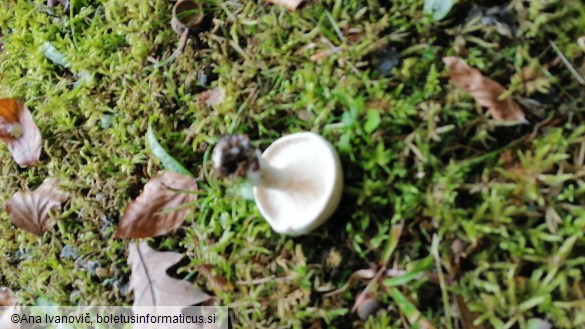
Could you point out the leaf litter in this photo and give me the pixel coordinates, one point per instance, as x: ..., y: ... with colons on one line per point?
x: 160, y: 208
x: 487, y: 95
x: 29, y: 210
x: 485, y: 91
x: 151, y: 284
x: 8, y: 307
x: 7, y: 297
x: 20, y: 132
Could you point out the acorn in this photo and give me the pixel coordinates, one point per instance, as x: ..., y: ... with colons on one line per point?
x: 234, y: 155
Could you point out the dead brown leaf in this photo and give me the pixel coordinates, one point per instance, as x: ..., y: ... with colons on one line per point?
x: 6, y: 318
x: 322, y: 54
x: 151, y: 284
x: 484, y: 90
x: 29, y: 210
x: 467, y: 316
x: 291, y: 5
x: 7, y: 297
x: 212, y: 97
x: 8, y: 300
x: 157, y: 211
x: 217, y: 282
x: 19, y: 131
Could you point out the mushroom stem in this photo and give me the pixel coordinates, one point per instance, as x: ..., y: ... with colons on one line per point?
x: 267, y: 176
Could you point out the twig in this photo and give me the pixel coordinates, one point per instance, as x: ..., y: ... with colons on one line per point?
x: 182, y: 42
x: 442, y: 283
x: 270, y: 278
x: 335, y: 26
x: 364, y: 293
x: 568, y: 64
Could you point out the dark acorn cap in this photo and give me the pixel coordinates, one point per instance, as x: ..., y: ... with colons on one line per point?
x: 234, y: 155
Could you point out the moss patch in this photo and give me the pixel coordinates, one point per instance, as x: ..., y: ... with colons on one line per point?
x: 414, y: 150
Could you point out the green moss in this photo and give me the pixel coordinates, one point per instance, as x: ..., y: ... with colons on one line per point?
x: 414, y: 150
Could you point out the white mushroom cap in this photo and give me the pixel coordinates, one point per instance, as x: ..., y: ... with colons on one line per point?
x: 299, y: 183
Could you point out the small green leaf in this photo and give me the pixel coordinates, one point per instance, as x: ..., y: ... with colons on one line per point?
x: 54, y: 55
x: 413, y: 274
x: 536, y: 323
x: 159, y: 151
x: 413, y: 315
x: 391, y: 243
x: 373, y: 121
x: 439, y: 9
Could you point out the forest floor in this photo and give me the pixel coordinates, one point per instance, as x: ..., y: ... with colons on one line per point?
x: 478, y: 221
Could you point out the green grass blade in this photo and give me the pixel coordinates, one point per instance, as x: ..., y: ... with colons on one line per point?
x: 391, y: 243
x: 414, y: 274
x: 413, y: 315
x: 159, y: 152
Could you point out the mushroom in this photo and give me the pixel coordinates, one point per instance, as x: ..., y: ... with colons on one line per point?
x: 297, y: 181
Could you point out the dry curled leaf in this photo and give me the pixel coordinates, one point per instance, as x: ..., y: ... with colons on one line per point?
x: 291, y: 5
x: 217, y: 282
x: 364, y: 274
x: 29, y: 210
x: 7, y: 309
x: 212, y: 97
x: 160, y: 207
x: 7, y: 297
x: 151, y: 284
x: 484, y: 90
x: 19, y: 131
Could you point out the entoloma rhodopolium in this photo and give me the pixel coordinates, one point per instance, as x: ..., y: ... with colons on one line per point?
x: 297, y: 181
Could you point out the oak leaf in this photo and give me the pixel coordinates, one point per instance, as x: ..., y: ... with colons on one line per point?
x: 160, y: 207
x: 19, y: 131
x: 151, y: 284
x: 484, y: 90
x: 288, y: 4
x: 29, y: 210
